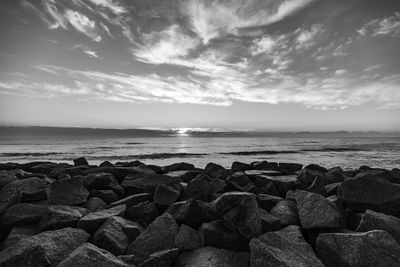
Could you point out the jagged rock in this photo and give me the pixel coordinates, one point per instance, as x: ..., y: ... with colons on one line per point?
x: 262, y: 165
x: 18, y: 233
x: 281, y: 184
x: 182, y: 166
x: 372, y: 220
x: 121, y: 172
x: 216, y: 171
x: 80, y: 162
x: 131, y: 229
x: 67, y: 192
x: 144, y: 213
x: 318, y: 186
x: 165, y: 195
x: 267, y: 202
x: 198, y: 188
x: 108, y: 196
x: 111, y: 237
x: 106, y: 164
x: 316, y: 212
x: 98, y: 180
x: 132, y: 200
x: 374, y: 248
x: 334, y: 175
x: 6, y: 178
x: 61, y: 216
x: 159, y: 235
x: 212, y: 257
x: 290, y: 167
x: 94, y: 220
x: 268, y: 222
x: 286, y: 247
x: 161, y: 258
x: 240, y: 178
x: 32, y: 189
x: 95, y: 204
x: 369, y: 192
x: 188, y: 238
x: 331, y: 189
x: 147, y: 183
x: 217, y: 234
x: 43, y: 168
x: 44, y: 249
x: 9, y: 198
x: 90, y: 255
x: 23, y: 213
x: 239, y: 166
x: 189, y: 212
x: 306, y: 176
x: 185, y: 176
x: 240, y: 211
x: 232, y: 187
x: 286, y: 211
x: 316, y: 167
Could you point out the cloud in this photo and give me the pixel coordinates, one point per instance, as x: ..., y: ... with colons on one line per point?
x: 83, y: 24
x: 389, y: 26
x: 307, y: 38
x: 58, y: 17
x: 113, y: 6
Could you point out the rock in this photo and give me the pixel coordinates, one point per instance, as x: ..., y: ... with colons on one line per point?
x: 232, y: 187
x: 240, y: 178
x: 165, y: 195
x: 281, y: 184
x: 111, y: 237
x: 198, y: 188
x: 306, y: 176
x: 316, y: 167
x: 132, y: 200
x: 44, y: 168
x: 108, y: 196
x: 121, y: 172
x: 159, y: 235
x: 188, y: 238
x: 161, y: 258
x: 138, y: 183
x: 189, y: 212
x: 331, y: 189
x: 44, y: 249
x: 372, y: 220
x: 32, y: 189
x: 67, y: 192
x: 182, y: 166
x: 286, y: 247
x: 289, y: 167
x: 61, y: 216
x: 18, y: 233
x: 268, y: 222
x: 316, y: 212
x: 262, y: 165
x: 9, y: 198
x: 95, y: 204
x: 353, y: 219
x: 94, y: 220
x: 98, y: 180
x: 212, y: 257
x: 185, y: 176
x: 80, y: 162
x: 267, y: 202
x: 6, y: 178
x: 240, y: 211
x: 372, y: 193
x: 318, y: 186
x: 334, y: 175
x: 23, y: 213
x: 373, y: 248
x: 90, y: 255
x: 144, y: 213
x: 106, y: 164
x: 286, y: 211
x: 239, y: 166
x: 216, y: 171
x: 131, y: 229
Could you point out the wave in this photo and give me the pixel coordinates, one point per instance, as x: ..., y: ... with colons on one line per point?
x: 262, y: 152
x: 151, y: 156
x: 27, y: 154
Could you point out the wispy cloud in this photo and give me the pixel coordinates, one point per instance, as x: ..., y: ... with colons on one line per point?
x: 83, y: 24
x: 112, y: 5
x: 388, y: 26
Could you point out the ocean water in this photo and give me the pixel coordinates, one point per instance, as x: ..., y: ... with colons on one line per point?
x: 327, y: 150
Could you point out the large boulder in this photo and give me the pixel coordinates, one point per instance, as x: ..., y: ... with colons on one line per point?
x: 142, y: 182
x: 165, y: 195
x: 67, y: 192
x: 6, y: 178
x: 80, y: 162
x: 23, y: 213
x: 240, y: 178
x: 372, y: 220
x: 20, y: 232
x: 267, y: 202
x: 189, y: 212
x: 316, y: 212
x: 240, y: 166
x: 111, y: 237
x: 286, y: 247
x: 268, y: 222
x: 32, y: 189
x: 181, y: 166
x: 94, y: 220
x: 212, y: 257
x: 216, y: 171
x: 90, y: 255
x: 143, y: 213
x: 188, y: 238
x: 9, y: 198
x: 61, y: 216
x: 240, y: 211
x: 198, y: 188
x: 369, y: 192
x: 159, y: 235
x: 98, y: 180
x: 374, y: 248
x: 44, y: 249
x: 108, y: 195
x: 286, y: 211
x: 95, y: 204
x: 161, y: 258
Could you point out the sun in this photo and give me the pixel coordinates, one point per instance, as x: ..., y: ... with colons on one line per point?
x: 182, y: 131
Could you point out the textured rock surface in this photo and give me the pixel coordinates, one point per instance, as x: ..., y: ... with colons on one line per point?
x: 32, y: 189
x: 67, y: 192
x: 111, y: 237
x: 61, y: 216
x: 286, y: 212
x: 188, y: 238
x: 23, y: 213
x: 93, y: 221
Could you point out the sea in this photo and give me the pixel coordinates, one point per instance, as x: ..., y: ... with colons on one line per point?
x: 348, y: 150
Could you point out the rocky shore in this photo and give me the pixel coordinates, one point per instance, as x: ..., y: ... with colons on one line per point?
x: 258, y: 214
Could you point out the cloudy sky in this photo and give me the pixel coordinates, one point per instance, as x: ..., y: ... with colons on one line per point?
x: 233, y: 64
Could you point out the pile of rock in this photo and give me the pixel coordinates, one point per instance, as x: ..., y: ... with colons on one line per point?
x: 258, y: 214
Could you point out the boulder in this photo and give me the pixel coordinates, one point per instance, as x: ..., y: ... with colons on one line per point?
x: 111, y: 237
x: 108, y: 196
x: 182, y: 166
x: 316, y: 167
x: 317, y: 186
x: 132, y: 200
x: 372, y: 220
x: 331, y: 189
x: 20, y: 232
x: 267, y: 202
x: 94, y: 220
x: 165, y: 195
x: 98, y: 180
x: 198, y: 188
x: 80, y: 162
x: 268, y: 222
x: 90, y: 255
x: 94, y: 204
x: 9, y: 198
x: 189, y: 212
x: 43, y: 168
x: 23, y: 213
x: 262, y: 165
x: 32, y: 189
x: 159, y: 235
x: 185, y: 176
x: 286, y: 211
x: 316, y: 212
x: 121, y: 172
x: 143, y: 213
x: 61, y: 216
x: 240, y: 166
x: 161, y: 258
x: 67, y: 192
x: 240, y: 178
x: 306, y: 176
x: 286, y: 247
x: 373, y: 248
x: 131, y: 229
x: 369, y: 192
x: 44, y: 249
x: 188, y: 238
x: 289, y: 167
x: 216, y: 171
x: 212, y: 257
x: 142, y: 182
x: 6, y: 178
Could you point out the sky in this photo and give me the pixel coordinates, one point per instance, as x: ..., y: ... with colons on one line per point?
x: 314, y: 65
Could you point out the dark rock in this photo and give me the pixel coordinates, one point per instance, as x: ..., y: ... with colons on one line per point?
x: 182, y: 166
x: 374, y: 248
x: 282, y: 183
x: 67, y: 192
x: 188, y: 238
x: 44, y: 168
x: 352, y: 219
x: 239, y: 166
x: 120, y: 172
x: 216, y: 171
x: 189, y: 212
x: 6, y: 178
x: 23, y: 213
x: 372, y: 193
x: 18, y: 233
x: 232, y: 187
x: 95, y: 204
x: 61, y: 216
x: 198, y: 188
x: 306, y: 177
x: 159, y: 235
x: 9, y: 198
x: 106, y: 164
x: 144, y: 213
x: 289, y: 167
x: 138, y: 183
x: 268, y: 222
x: 165, y: 195
x: 316, y: 167
x: 316, y: 212
x: 90, y: 255
x: 286, y: 211
x: 132, y: 200
x: 94, y: 220
x: 108, y: 196
x: 98, y: 180
x: 44, y: 249
x: 331, y: 189
x: 286, y: 247
x: 209, y: 256
x: 334, y: 175
x: 131, y: 229
x: 239, y: 178
x: 185, y: 176
x: 80, y: 162
x: 267, y: 202
x: 372, y: 220
x: 318, y: 186
x: 32, y: 189
x: 161, y: 258
x: 262, y: 165
x: 111, y: 237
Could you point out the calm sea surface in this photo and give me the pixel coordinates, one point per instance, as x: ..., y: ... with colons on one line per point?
x: 347, y: 152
